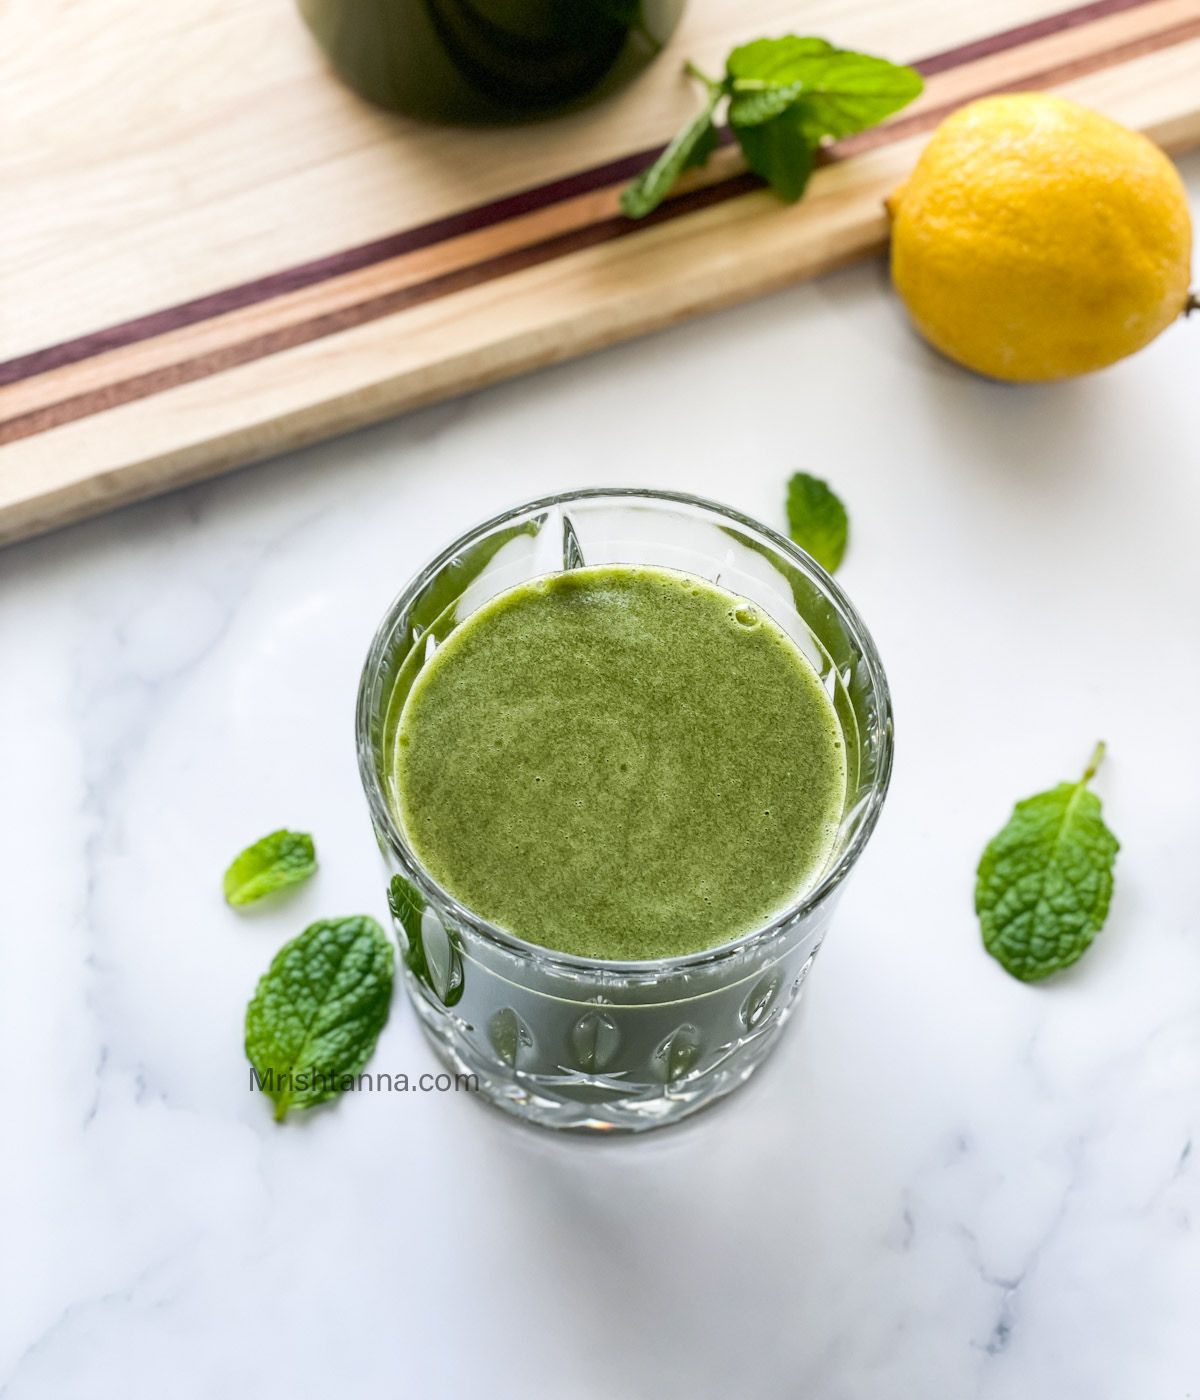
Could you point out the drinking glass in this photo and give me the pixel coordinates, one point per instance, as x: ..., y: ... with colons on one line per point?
x: 584, y: 1043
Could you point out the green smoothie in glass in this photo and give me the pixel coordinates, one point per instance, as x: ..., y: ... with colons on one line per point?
x: 620, y: 762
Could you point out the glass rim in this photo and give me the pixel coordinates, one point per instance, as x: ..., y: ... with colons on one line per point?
x: 437, y: 895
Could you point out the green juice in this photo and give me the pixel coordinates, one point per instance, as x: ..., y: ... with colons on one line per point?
x: 620, y: 762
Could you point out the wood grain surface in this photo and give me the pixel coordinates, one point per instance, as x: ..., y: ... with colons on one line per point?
x: 215, y: 252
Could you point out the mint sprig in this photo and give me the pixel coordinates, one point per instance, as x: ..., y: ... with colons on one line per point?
x: 318, y: 1010
x: 276, y: 861
x: 785, y: 96
x: 1045, y: 881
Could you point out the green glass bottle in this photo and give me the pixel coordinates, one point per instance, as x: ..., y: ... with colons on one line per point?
x: 488, y: 60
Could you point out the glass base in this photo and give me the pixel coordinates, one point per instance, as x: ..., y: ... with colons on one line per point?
x: 572, y: 1100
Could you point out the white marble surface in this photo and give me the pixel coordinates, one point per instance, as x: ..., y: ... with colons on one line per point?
x: 946, y: 1185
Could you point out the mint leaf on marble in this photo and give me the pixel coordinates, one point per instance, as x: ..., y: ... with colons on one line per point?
x: 817, y: 520
x: 1044, y: 882
x: 785, y: 96
x: 318, y: 1010
x: 281, y: 859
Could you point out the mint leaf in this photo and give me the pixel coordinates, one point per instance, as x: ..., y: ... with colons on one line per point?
x: 1045, y: 881
x: 777, y: 61
x: 283, y: 858
x: 766, y: 77
x: 817, y: 520
x: 836, y: 91
x: 407, y: 906
x: 318, y: 1011
x: 703, y: 147
x: 780, y: 152
x: 436, y: 960
x: 691, y: 146
x: 751, y: 106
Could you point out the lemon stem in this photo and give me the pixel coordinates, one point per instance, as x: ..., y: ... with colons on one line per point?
x: 1192, y: 303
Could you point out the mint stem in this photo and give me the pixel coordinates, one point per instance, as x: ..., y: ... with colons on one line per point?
x: 1094, y: 763
x: 712, y: 84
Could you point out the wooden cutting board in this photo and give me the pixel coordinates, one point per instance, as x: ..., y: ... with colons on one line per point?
x: 213, y: 251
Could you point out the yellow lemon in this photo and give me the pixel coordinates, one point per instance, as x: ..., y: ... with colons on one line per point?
x: 1037, y: 239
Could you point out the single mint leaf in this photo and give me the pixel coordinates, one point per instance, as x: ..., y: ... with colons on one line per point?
x: 691, y: 146
x: 779, y: 151
x: 438, y: 960
x: 407, y: 906
x: 776, y: 61
x: 703, y: 147
x: 1045, y: 881
x: 281, y: 859
x: 756, y: 105
x: 817, y: 520
x: 318, y: 1010
x: 767, y: 76
x: 837, y: 91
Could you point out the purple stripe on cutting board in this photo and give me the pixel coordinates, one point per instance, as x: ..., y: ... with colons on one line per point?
x: 1024, y: 34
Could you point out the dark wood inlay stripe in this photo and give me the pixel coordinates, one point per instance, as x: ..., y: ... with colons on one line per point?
x: 308, y: 274
x: 1024, y: 34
